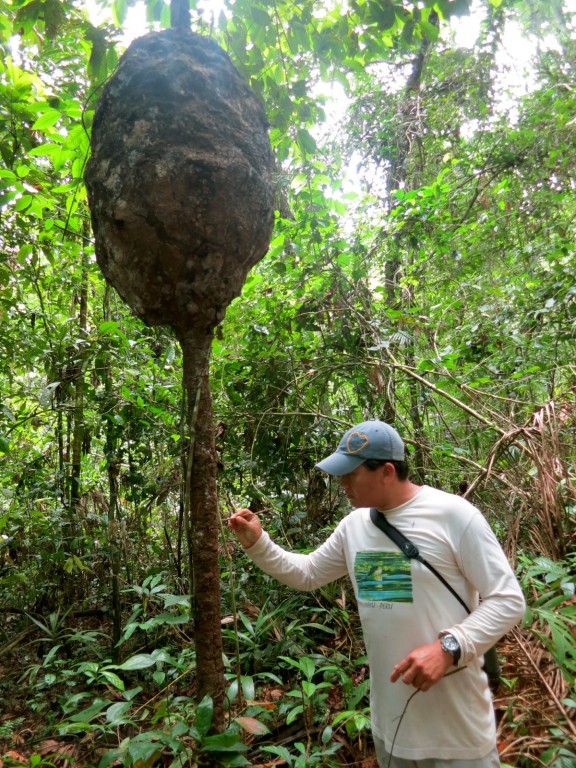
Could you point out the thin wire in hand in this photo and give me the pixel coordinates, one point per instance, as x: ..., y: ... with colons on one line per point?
x: 448, y: 674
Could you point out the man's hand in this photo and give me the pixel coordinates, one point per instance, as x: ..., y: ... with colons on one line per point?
x: 246, y: 526
x: 423, y: 667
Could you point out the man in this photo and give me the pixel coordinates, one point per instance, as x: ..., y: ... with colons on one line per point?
x: 418, y: 637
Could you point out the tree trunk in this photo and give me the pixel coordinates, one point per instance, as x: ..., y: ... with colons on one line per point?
x: 400, y: 176
x: 201, y: 518
x: 182, y: 203
x: 78, y: 427
x: 180, y: 14
x: 113, y: 464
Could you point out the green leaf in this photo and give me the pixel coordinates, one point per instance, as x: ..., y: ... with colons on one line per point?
x: 223, y: 742
x: 113, y: 679
x: 293, y: 713
x: 47, y: 120
x: 90, y: 712
x: 203, y: 718
x: 119, y: 10
x: 139, y: 661
x: 307, y: 666
x: 46, y: 150
x: 327, y: 734
x: 181, y: 600
x: 144, y: 750
x: 170, y: 618
x: 24, y: 202
x: 450, y: 8
x: 248, y: 688
x: 115, y: 713
x: 113, y: 755
x: 306, y: 142
x: 281, y: 752
x: 383, y: 13
x: 162, y: 655
x: 69, y: 728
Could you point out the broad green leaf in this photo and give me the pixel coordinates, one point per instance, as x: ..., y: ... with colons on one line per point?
x: 162, y: 655
x: 281, y: 752
x: 115, y: 713
x: 90, y: 712
x: 294, y: 713
x: 143, y: 751
x: 203, y: 716
x: 47, y: 120
x: 139, y: 661
x: 170, y: 600
x: 224, y: 742
x: 113, y: 679
x: 306, y: 142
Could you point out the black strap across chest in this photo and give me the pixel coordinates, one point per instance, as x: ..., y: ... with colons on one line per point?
x: 410, y: 550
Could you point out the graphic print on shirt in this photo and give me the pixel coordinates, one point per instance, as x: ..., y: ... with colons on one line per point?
x: 383, y: 576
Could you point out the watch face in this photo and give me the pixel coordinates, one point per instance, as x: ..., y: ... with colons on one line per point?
x: 450, y: 644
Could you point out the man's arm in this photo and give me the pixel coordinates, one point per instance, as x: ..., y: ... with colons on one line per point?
x: 502, y: 603
x: 502, y: 606
x: 305, y: 572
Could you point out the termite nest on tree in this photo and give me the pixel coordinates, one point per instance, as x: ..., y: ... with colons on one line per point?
x: 179, y: 181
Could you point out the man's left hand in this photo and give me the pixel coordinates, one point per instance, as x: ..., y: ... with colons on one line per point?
x: 423, y: 666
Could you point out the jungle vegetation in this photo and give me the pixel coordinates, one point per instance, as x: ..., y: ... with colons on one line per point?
x: 421, y: 271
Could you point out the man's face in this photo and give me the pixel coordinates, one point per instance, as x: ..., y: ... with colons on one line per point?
x: 364, y: 487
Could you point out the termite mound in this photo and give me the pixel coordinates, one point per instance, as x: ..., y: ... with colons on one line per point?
x: 179, y: 181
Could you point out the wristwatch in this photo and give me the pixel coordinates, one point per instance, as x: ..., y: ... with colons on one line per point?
x: 449, y: 643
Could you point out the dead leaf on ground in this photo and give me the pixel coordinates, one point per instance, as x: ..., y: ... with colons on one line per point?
x: 60, y: 753
x: 12, y: 757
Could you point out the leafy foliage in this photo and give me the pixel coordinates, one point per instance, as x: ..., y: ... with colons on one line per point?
x: 421, y: 271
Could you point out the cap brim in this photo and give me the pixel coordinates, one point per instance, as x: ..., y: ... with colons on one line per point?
x: 340, y: 464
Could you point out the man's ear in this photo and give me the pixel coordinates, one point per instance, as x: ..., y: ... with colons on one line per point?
x: 389, y: 471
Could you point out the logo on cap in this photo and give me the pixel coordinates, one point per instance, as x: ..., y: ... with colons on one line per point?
x: 356, y: 442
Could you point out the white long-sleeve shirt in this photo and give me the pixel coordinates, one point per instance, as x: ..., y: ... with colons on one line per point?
x: 402, y: 606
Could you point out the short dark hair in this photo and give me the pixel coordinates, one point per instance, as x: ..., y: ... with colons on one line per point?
x: 401, y: 467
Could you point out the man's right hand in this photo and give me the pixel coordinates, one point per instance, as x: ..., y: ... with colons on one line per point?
x: 246, y: 525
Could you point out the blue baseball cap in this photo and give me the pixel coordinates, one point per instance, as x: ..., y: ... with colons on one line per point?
x: 368, y: 440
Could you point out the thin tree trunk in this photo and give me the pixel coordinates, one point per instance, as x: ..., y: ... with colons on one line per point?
x: 400, y: 177
x: 113, y: 463
x: 61, y: 452
x: 201, y: 519
x: 180, y: 14
x: 78, y: 426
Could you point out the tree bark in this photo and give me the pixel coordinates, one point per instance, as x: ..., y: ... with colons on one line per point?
x: 201, y: 517
x: 78, y: 427
x: 180, y: 14
x: 113, y: 463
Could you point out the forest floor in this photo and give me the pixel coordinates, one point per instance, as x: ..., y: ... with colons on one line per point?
x: 528, y: 707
